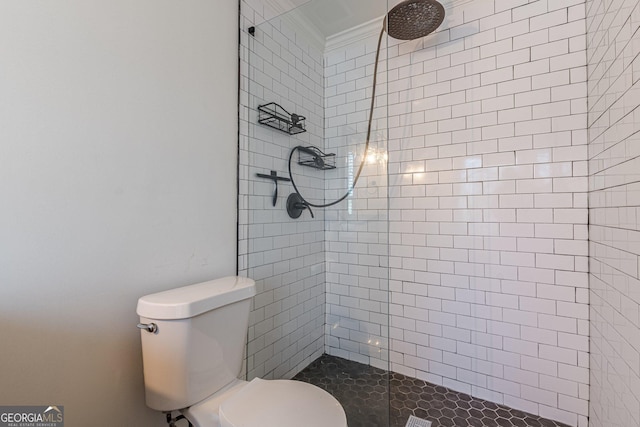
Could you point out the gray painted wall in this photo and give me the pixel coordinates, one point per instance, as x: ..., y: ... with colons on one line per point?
x: 118, y: 150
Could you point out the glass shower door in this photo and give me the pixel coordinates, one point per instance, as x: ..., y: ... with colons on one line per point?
x: 321, y: 313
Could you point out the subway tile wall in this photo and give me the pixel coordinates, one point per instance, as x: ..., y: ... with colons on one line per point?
x: 487, y: 188
x: 613, y: 44
x: 286, y: 257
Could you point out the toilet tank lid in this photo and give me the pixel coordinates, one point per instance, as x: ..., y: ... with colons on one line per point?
x: 190, y: 301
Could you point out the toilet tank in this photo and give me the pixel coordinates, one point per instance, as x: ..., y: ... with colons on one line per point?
x: 199, y: 343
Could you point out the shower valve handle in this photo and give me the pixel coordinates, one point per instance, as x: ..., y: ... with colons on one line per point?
x: 296, y: 204
x: 305, y: 206
x: 302, y: 206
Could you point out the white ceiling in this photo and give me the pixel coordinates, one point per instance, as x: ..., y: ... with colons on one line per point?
x: 330, y: 17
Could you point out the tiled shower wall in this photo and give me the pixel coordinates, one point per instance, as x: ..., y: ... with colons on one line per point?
x: 488, y: 204
x: 284, y: 256
x: 614, y: 200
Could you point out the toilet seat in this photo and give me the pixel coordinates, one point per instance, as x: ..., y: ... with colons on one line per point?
x: 274, y: 403
x: 206, y: 413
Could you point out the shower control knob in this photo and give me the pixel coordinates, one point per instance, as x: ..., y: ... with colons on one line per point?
x: 149, y: 327
x: 296, y: 204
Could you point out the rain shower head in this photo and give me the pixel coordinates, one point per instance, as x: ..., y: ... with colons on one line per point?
x: 413, y: 19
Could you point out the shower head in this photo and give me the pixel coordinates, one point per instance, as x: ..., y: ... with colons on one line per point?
x: 413, y: 19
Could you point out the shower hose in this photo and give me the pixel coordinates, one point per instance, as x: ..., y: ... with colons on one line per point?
x: 366, y: 146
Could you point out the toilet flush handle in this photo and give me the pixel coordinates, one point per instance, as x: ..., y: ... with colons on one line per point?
x: 149, y: 327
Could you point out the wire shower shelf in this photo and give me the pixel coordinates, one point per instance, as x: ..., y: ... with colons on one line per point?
x: 273, y: 115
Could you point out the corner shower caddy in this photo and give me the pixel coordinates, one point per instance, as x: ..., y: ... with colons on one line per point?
x: 315, y: 158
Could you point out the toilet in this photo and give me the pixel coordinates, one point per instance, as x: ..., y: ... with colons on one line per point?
x: 193, y: 340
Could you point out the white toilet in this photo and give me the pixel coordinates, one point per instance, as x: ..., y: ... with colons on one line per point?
x: 193, y: 340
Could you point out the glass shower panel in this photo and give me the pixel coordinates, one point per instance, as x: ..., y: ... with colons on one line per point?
x: 321, y: 313
x: 357, y: 229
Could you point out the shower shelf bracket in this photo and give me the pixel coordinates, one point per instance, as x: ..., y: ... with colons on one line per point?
x: 275, y: 116
x: 275, y: 178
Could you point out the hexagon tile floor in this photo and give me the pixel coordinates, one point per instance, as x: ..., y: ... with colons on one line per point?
x: 362, y: 391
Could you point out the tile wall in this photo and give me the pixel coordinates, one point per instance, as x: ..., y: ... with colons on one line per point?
x: 286, y: 257
x: 613, y: 44
x: 488, y: 206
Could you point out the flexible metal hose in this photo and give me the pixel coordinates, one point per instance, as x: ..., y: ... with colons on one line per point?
x: 366, y: 146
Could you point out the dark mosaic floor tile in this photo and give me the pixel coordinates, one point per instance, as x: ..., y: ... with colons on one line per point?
x: 372, y: 397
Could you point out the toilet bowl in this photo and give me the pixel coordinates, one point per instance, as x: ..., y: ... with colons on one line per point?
x: 193, y: 340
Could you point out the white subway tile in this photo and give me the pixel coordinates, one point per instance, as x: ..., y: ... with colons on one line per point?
x: 528, y: 39
x: 532, y: 9
x: 488, y: 181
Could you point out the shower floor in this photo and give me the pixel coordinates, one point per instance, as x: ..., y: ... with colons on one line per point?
x: 362, y: 391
